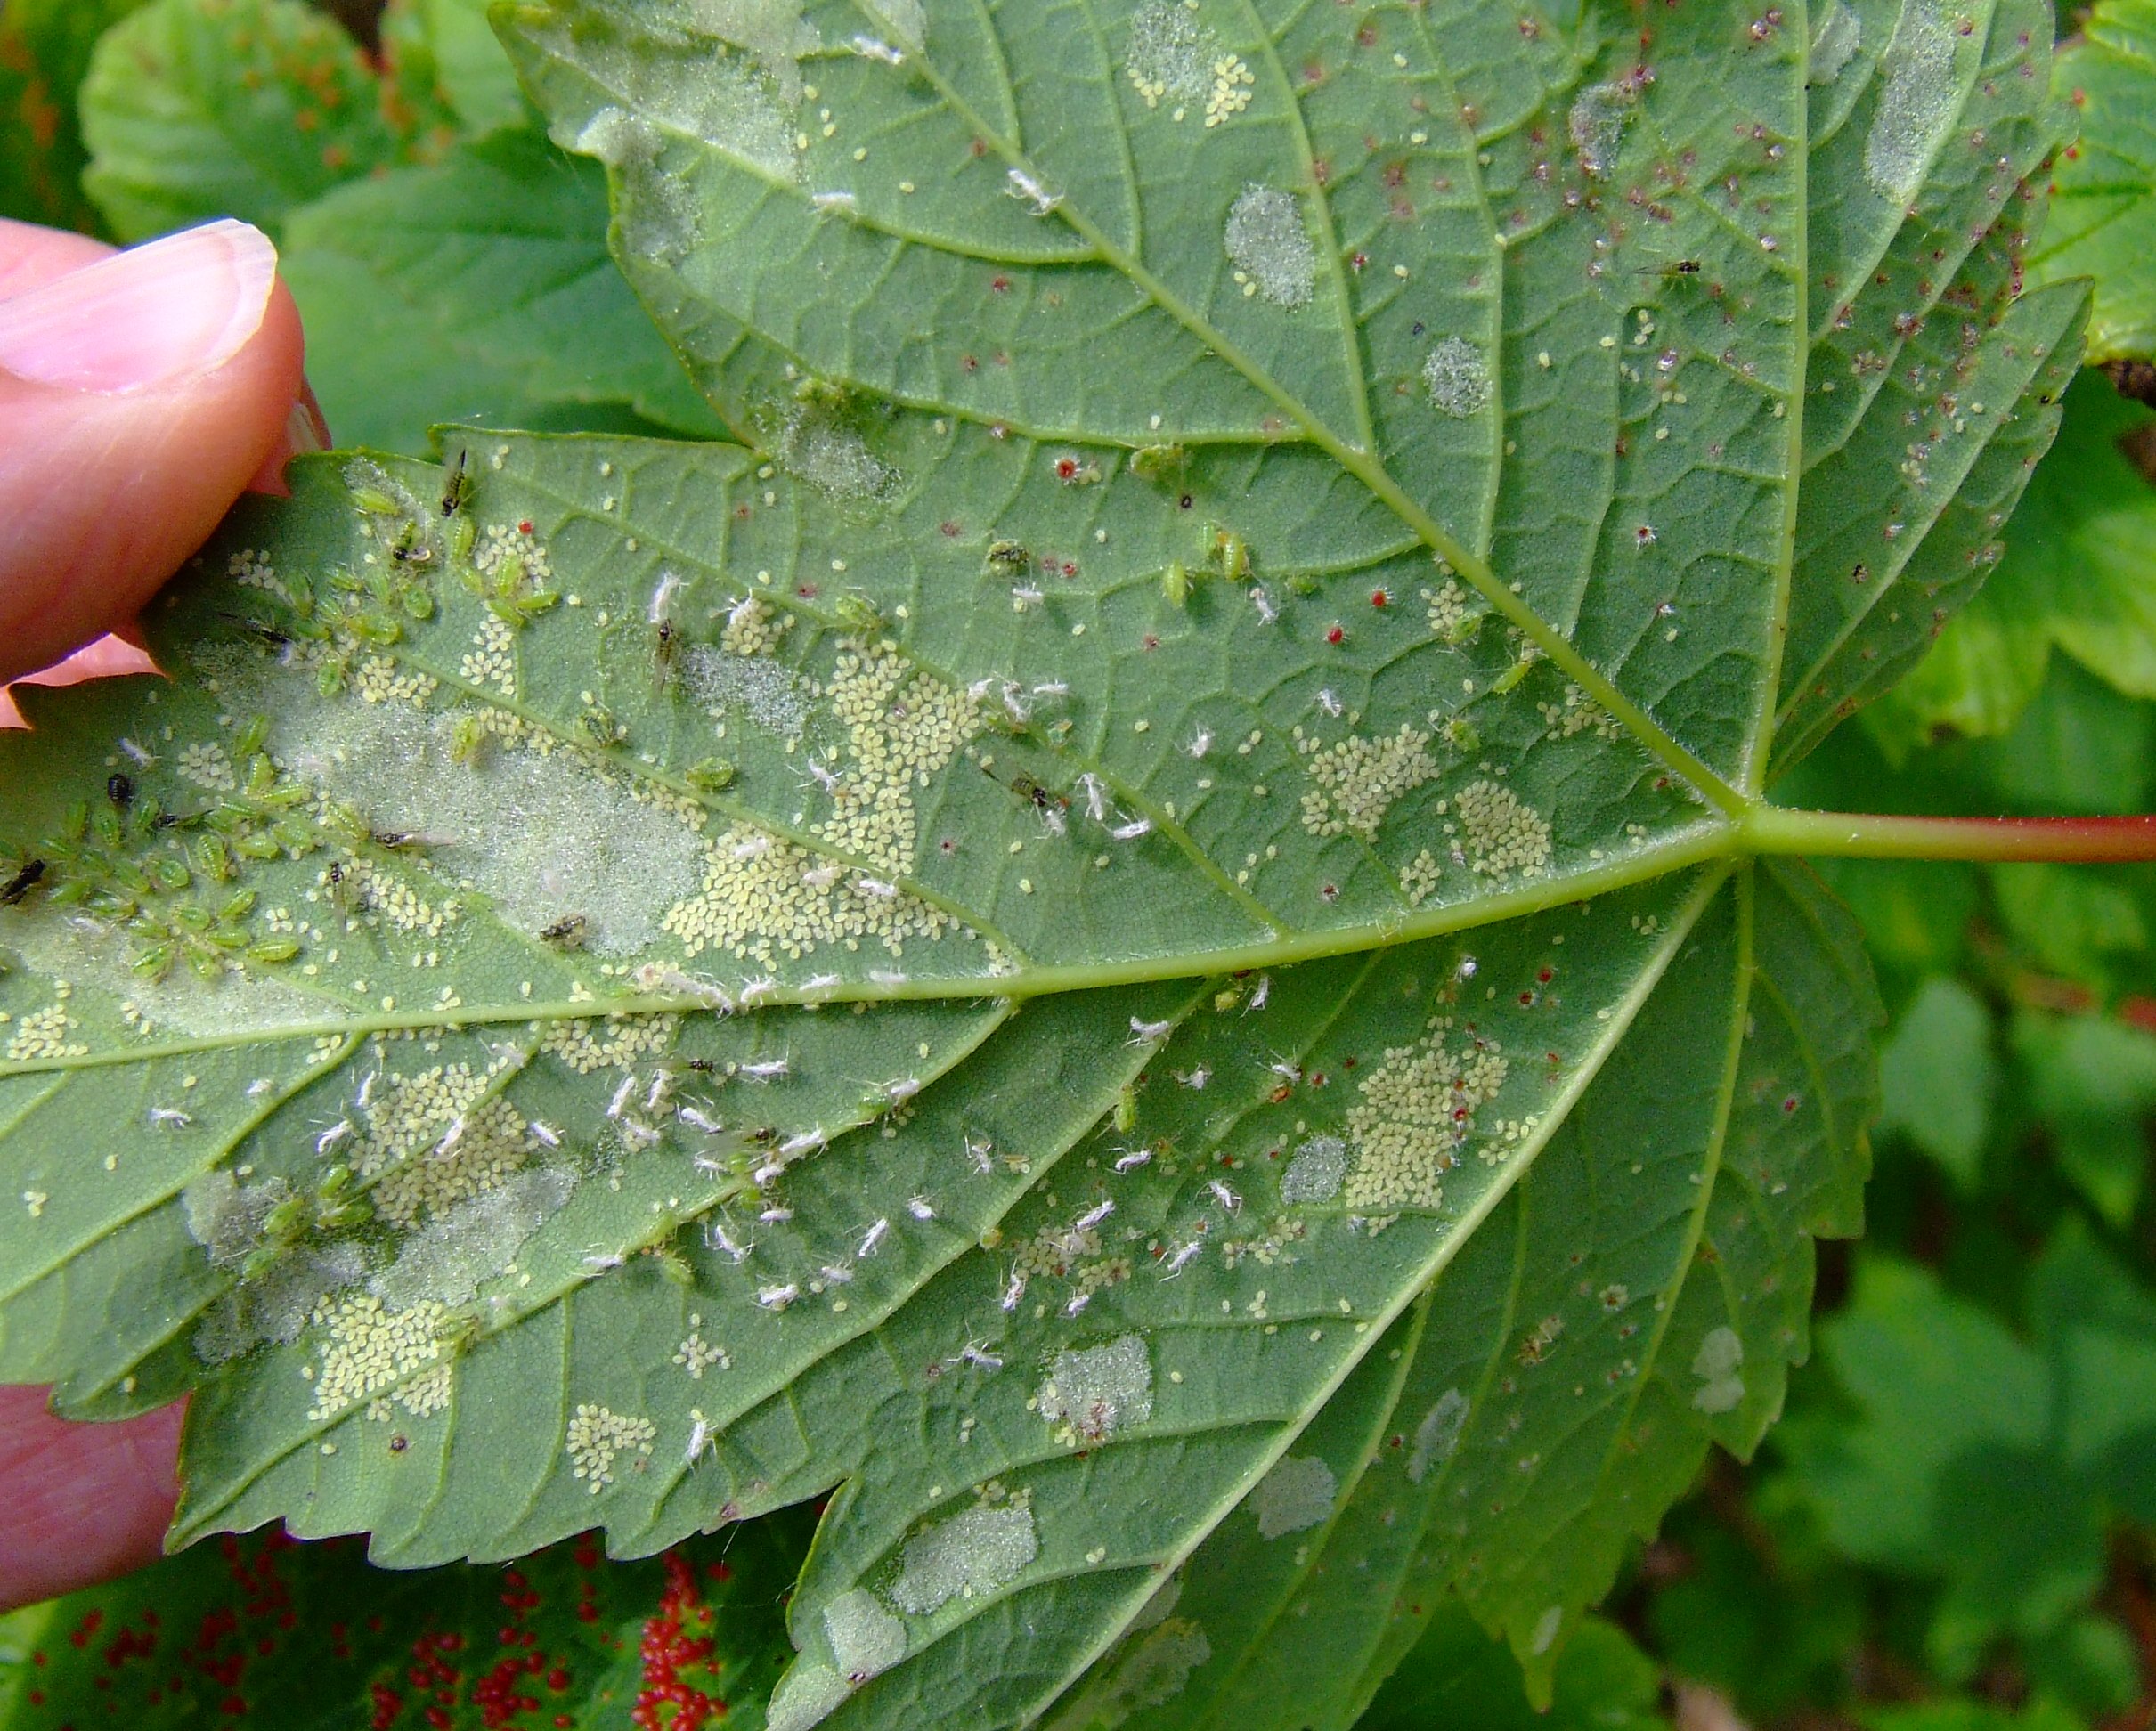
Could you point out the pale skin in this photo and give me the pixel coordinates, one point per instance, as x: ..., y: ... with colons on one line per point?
x: 122, y: 443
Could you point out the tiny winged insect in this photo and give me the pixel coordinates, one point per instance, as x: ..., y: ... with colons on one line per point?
x: 1048, y: 805
x: 567, y: 932
x: 456, y: 485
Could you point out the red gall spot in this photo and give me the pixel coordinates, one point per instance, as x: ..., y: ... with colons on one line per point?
x: 1790, y: 1104
x: 1336, y: 635
x: 950, y: 529
x: 1527, y: 998
x: 741, y: 513
x: 388, y: 1706
x: 1330, y: 892
x: 1380, y: 598
x: 969, y: 364
x: 806, y: 591
x: 1000, y: 284
x: 1151, y: 641
x: 524, y: 526
x: 980, y: 147
x: 1546, y: 975
x: 1066, y: 469
x: 1359, y: 260
x: 1069, y: 568
x: 1318, y: 1080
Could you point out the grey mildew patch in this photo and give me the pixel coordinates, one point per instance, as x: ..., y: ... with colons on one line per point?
x: 1170, y: 55
x: 1457, y: 378
x: 976, y: 1552
x: 1439, y: 1435
x: 447, y: 1259
x: 1916, y: 103
x: 659, y: 216
x: 833, y: 458
x: 1099, y: 1390
x: 275, y: 1304
x: 544, y: 834
x: 754, y: 686
x: 1296, y: 1494
x: 225, y: 1218
x: 1715, y: 1364
x: 772, y: 31
x: 1835, y: 36
x: 1597, y: 122
x: 1271, y: 249
x: 806, y: 1695
x: 865, y: 1637
x: 1315, y: 1173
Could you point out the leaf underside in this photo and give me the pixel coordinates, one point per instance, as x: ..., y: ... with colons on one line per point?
x: 1116, y: 934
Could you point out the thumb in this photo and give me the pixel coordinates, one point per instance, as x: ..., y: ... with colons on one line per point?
x: 139, y: 394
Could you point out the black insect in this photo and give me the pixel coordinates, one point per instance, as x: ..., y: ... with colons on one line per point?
x: 566, y: 932
x: 456, y: 486
x: 261, y: 629
x: 120, y: 791
x: 25, y: 880
x: 703, y: 1065
x: 1043, y: 800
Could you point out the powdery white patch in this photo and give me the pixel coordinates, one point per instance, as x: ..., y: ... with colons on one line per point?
x: 1835, y: 37
x: 225, y: 1218
x: 1298, y: 1492
x: 728, y: 100
x: 449, y: 1258
x: 1715, y: 1364
x: 1916, y: 104
x: 834, y: 460
x: 1150, y: 1665
x: 275, y: 1304
x: 772, y: 31
x: 1354, y: 781
x: 1315, y: 1173
x: 865, y: 1637
x: 725, y: 683
x: 1502, y: 831
x: 543, y: 831
x: 1597, y: 122
x: 1101, y: 1389
x: 1457, y: 377
x: 1272, y: 251
x: 971, y: 1553
x: 806, y: 1695
x: 1170, y: 55
x: 1416, y: 1113
x: 1439, y: 1435
x: 659, y: 219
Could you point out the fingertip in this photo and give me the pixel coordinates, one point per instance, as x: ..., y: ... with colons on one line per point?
x: 84, y: 1501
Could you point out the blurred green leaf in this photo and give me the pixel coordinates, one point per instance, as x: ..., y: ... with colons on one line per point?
x: 481, y: 286
x: 1937, y: 1077
x: 195, y: 109
x: 2104, y: 202
x: 2070, y: 922
x: 2093, y: 1082
x: 1988, y: 1462
x: 2088, y: 1664
x: 450, y: 45
x: 1458, y: 1678
x: 1971, y: 1716
x: 45, y: 51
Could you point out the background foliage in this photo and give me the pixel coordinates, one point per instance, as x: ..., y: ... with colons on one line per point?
x: 1955, y: 1527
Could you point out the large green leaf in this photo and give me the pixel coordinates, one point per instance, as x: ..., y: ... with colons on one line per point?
x: 1186, y: 776
x: 228, y: 108
x: 2104, y: 187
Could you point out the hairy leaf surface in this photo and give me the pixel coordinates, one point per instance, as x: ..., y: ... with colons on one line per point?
x: 1161, y: 825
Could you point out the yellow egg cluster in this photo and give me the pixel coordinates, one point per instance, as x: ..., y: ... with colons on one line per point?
x: 1354, y: 781
x: 1417, y: 1109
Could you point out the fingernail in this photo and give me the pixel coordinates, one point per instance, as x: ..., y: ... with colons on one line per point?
x: 155, y: 315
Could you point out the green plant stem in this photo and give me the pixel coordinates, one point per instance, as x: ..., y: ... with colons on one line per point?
x: 1766, y: 829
